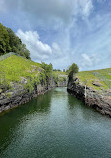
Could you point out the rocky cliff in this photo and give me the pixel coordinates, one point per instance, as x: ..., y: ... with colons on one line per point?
x: 18, y: 95
x: 22, y: 79
x: 100, y: 100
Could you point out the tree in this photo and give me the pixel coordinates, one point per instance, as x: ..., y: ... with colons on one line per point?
x: 4, y: 40
x: 14, y: 41
x: 47, y: 70
x: 16, y: 44
x: 72, y: 70
x: 23, y: 51
x: 10, y: 42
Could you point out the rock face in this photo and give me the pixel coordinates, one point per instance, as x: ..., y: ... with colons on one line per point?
x: 101, y: 101
x: 19, y: 95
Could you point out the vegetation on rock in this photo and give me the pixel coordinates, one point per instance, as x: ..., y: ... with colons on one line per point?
x: 16, y: 69
x: 96, y: 79
x: 47, y: 71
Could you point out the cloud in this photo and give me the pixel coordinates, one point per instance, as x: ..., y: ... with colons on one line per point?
x: 89, y: 60
x: 84, y: 7
x: 37, y: 48
x: 57, y: 52
x: 88, y: 7
x: 63, y: 32
x: 2, y: 6
x: 49, y: 12
x: 63, y: 10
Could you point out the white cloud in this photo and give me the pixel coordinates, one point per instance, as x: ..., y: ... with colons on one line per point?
x: 86, y: 60
x: 38, y: 49
x: 84, y: 7
x: 71, y: 33
x: 89, y: 61
x: 87, y: 8
x: 49, y: 12
x: 57, y: 52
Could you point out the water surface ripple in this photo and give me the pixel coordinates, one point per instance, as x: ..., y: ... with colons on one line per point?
x: 55, y: 125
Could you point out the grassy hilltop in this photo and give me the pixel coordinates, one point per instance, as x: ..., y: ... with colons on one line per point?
x: 17, y: 68
x: 96, y: 79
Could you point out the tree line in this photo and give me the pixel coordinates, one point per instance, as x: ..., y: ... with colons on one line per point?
x: 10, y: 42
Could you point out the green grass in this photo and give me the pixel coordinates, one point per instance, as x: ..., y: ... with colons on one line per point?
x: 59, y: 76
x: 102, y: 76
x: 59, y: 73
x: 15, y: 67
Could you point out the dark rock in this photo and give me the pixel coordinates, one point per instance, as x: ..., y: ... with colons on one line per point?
x: 18, y: 95
x: 100, y: 101
x: 97, y: 83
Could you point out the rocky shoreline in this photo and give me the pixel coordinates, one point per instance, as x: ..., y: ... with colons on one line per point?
x: 101, y: 101
x: 18, y: 95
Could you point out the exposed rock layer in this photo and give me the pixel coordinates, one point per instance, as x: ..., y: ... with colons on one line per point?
x: 101, y: 101
x: 18, y: 95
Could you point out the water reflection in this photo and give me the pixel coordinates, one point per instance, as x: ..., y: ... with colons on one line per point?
x: 55, y: 125
x: 11, y: 120
x: 77, y: 108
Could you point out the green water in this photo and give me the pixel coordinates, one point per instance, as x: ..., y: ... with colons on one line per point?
x: 55, y: 125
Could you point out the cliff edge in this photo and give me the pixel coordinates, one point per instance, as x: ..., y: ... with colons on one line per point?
x: 22, y: 79
x: 94, y: 89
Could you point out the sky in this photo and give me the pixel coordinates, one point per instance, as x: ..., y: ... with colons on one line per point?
x: 62, y: 31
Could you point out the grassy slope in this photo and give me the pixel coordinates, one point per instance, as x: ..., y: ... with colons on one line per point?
x: 15, y: 67
x: 102, y: 76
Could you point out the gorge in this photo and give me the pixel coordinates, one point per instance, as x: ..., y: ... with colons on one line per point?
x: 57, y: 125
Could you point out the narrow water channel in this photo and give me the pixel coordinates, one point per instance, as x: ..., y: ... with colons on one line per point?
x: 55, y: 125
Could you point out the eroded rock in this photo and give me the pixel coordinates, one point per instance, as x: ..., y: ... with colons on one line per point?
x: 101, y: 101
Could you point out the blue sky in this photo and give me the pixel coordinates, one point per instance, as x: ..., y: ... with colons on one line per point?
x: 63, y: 31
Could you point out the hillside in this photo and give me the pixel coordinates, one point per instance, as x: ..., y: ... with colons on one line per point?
x: 22, y: 79
x: 21, y: 70
x: 15, y: 68
x: 93, y: 88
x: 96, y: 79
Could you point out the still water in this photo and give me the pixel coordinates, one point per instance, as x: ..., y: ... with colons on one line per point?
x: 55, y: 125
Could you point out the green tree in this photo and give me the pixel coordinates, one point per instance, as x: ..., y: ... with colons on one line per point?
x: 14, y: 40
x: 16, y: 44
x: 10, y: 42
x: 4, y: 40
x: 47, y: 70
x: 72, y: 70
x: 23, y: 51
